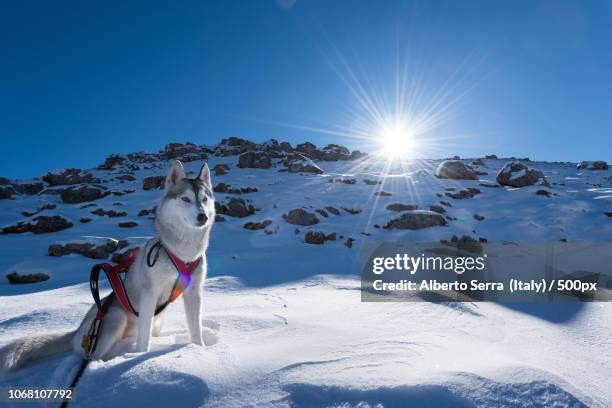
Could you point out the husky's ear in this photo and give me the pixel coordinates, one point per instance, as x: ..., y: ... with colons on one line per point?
x: 175, y: 174
x: 205, y: 175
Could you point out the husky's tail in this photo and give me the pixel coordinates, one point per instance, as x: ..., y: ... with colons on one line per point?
x: 28, y: 349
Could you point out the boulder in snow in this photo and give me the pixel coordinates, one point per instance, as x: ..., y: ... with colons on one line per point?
x: 515, y: 174
x: 417, y: 219
x: 42, y: 224
x: 299, y: 216
x: 255, y: 160
x: 456, y: 170
x: 593, y: 165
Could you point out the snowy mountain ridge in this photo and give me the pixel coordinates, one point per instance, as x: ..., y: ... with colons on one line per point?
x: 283, y: 320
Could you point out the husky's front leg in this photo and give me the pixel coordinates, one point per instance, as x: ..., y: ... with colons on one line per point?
x: 146, y: 311
x: 193, y: 311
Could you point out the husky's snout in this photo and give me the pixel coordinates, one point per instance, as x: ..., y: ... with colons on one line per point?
x: 201, y: 219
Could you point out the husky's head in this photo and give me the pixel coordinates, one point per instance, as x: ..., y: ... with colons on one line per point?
x: 188, y: 202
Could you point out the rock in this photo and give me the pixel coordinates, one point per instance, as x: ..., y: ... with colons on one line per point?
x: 255, y: 160
x: 144, y: 212
x: 382, y: 194
x: 349, y: 242
x: 7, y: 193
x: 333, y: 210
x: 352, y: 211
x: 332, y: 152
x: 153, y: 182
x: 77, y: 195
x: 593, y: 165
x: 300, y: 216
x: 307, y: 148
x: 235, y: 207
x: 437, y: 208
x: 69, y: 177
x: 219, y: 218
x: 43, y: 224
x: 515, y: 174
x: 180, y: 151
x: 111, y: 161
x: 345, y: 181
x: 402, y: 207
x: 491, y: 157
x: 372, y: 182
x: 297, y: 163
x: 4, y: 181
x: 446, y: 203
x: 465, y: 243
x: 545, y: 193
x: 479, y: 217
x: 97, y: 249
x: 128, y: 224
x: 356, y: 155
x: 466, y: 193
x: 489, y: 184
x: 16, y: 278
x: 85, y: 220
x: 478, y: 162
x: 221, y: 169
x: 417, y: 219
x: 109, y: 213
x: 314, y: 237
x: 456, y: 170
x: 322, y: 212
x: 608, y: 213
x: 226, y: 188
x: 29, y: 188
x: 257, y: 225
x: 126, y: 177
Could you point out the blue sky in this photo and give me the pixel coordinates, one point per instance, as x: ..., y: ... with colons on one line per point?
x: 80, y: 80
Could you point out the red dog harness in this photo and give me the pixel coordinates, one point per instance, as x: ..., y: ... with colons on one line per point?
x: 113, y: 272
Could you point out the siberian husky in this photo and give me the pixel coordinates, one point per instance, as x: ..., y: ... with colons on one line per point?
x: 183, y: 221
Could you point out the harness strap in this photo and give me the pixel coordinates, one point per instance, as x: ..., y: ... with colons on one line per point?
x: 182, y: 282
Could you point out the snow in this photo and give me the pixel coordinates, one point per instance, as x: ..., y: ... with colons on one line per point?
x: 283, y: 321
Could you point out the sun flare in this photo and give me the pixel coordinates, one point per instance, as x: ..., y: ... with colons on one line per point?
x: 397, y: 140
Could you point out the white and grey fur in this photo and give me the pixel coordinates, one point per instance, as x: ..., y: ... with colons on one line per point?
x: 183, y: 221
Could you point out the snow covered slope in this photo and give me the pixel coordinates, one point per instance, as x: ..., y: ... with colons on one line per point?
x: 284, y: 324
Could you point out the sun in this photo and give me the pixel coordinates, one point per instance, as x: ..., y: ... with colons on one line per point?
x: 397, y: 140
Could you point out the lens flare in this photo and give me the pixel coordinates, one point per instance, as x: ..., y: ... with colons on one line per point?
x: 397, y: 140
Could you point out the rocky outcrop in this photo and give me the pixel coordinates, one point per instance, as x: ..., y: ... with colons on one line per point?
x: 318, y: 237
x: 235, y: 207
x: 298, y: 163
x: 75, y: 195
x: 40, y: 225
x: 29, y: 188
x: 299, y: 216
x: 127, y: 224
x: 402, y: 207
x: 255, y: 160
x: 16, y: 278
x: 7, y: 193
x: 593, y: 165
x: 109, y: 213
x: 515, y: 174
x: 257, y: 225
x: 226, y: 188
x: 221, y: 169
x: 462, y: 194
x: 112, y: 161
x: 153, y: 182
x: 456, y: 170
x: 69, y: 177
x: 417, y: 219
x: 94, y: 249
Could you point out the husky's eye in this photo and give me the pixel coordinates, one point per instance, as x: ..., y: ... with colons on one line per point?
x: 205, y: 199
x: 186, y: 199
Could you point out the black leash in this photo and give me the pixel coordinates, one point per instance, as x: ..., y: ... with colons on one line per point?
x: 89, y: 343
